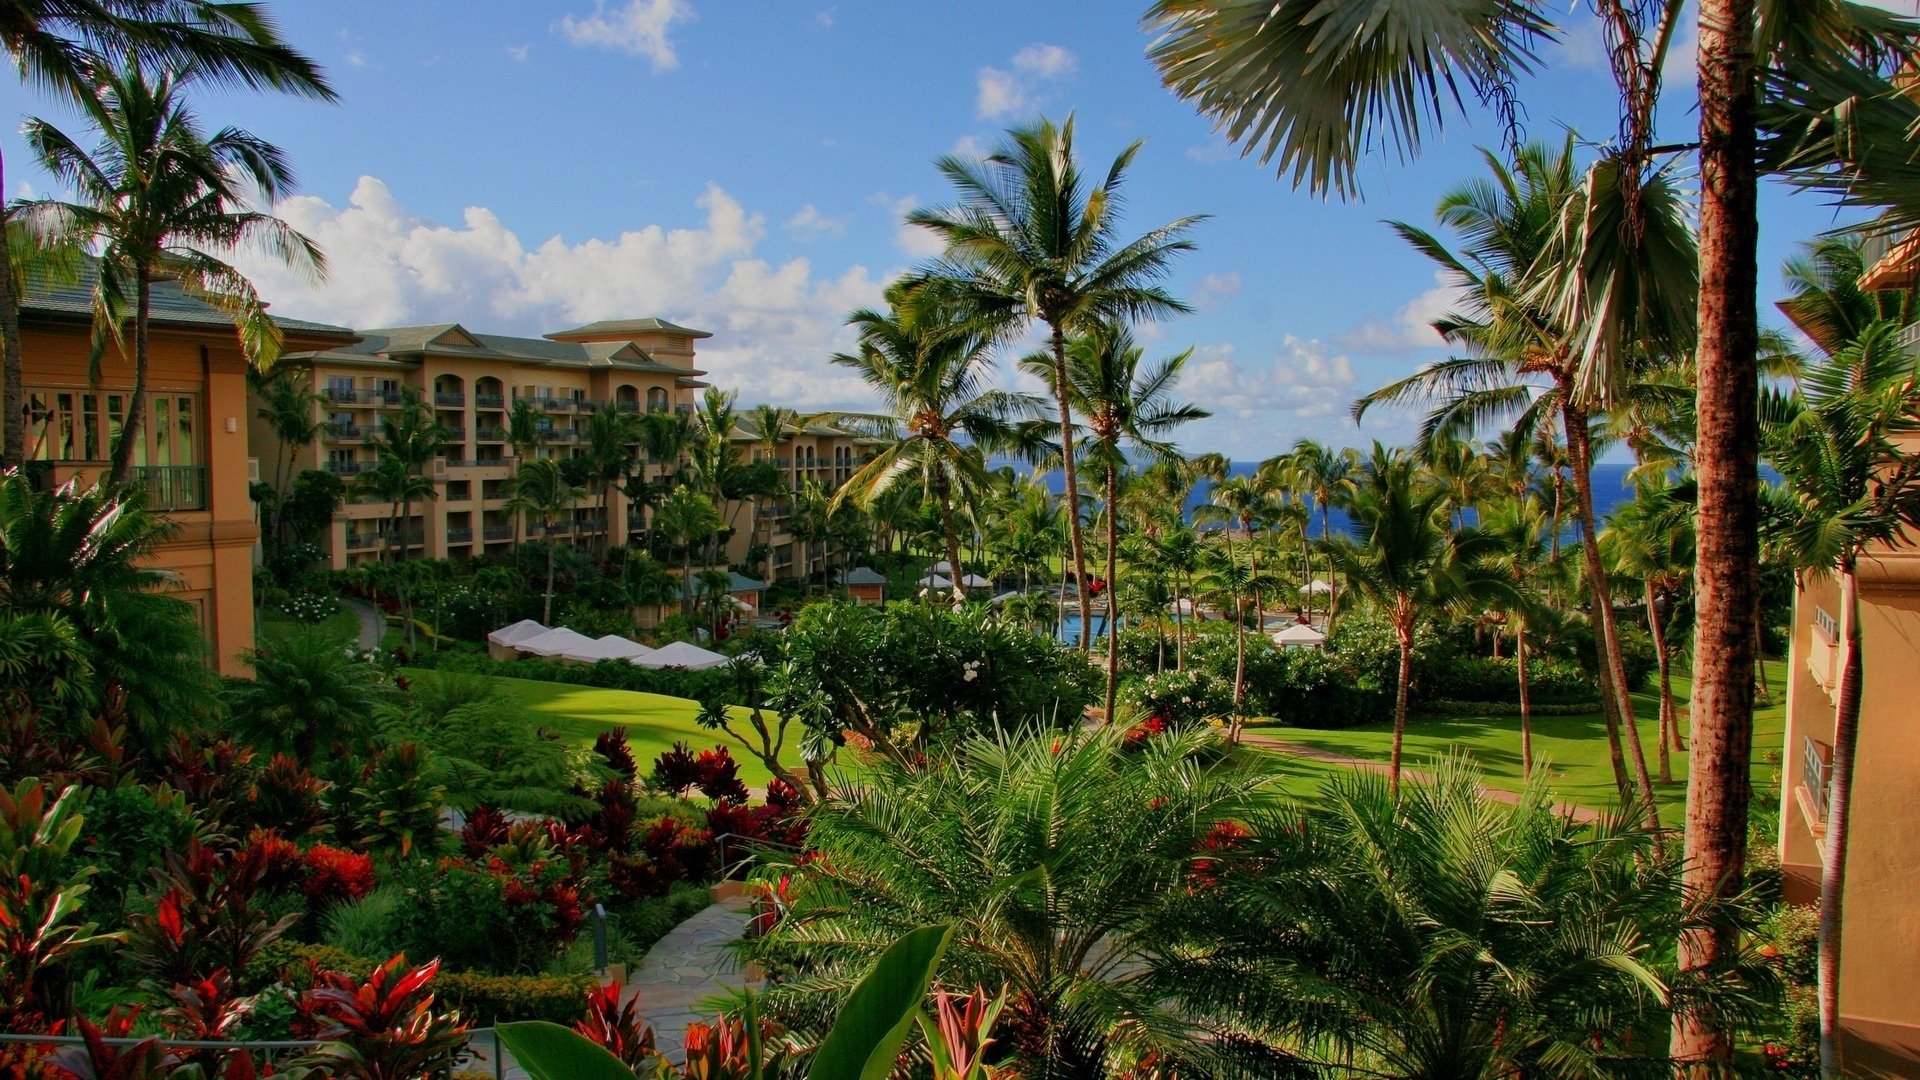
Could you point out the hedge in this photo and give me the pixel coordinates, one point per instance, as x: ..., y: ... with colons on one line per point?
x: 606, y: 675
x: 480, y: 998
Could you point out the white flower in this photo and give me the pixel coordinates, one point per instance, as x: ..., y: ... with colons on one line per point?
x: 970, y: 675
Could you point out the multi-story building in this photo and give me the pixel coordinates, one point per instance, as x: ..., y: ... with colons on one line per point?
x: 192, y: 454
x: 472, y: 381
x: 1880, y: 931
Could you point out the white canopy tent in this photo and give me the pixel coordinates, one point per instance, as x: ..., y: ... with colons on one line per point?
x: 1299, y: 635
x: 517, y: 632
x: 941, y: 567
x: 610, y: 647
x: 1317, y: 587
x: 975, y: 581
x: 935, y: 581
x: 554, y: 642
x: 680, y: 654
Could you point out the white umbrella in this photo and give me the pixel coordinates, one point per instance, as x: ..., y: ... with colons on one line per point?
x: 1299, y: 634
x: 941, y: 567
x: 935, y: 581
x: 1316, y: 587
x: 1183, y: 606
x: 680, y: 654
x: 517, y: 632
x: 554, y: 642
x: 975, y: 581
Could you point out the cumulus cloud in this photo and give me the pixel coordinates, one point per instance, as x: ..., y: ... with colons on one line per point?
x: 1303, y: 389
x: 635, y: 27
x: 910, y: 240
x: 774, y: 324
x: 1002, y: 92
x: 1214, y: 289
x: 811, y: 224
x: 1411, y: 327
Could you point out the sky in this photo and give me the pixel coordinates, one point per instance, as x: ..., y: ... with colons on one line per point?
x: 743, y: 166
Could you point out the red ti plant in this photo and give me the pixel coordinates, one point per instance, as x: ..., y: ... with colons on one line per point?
x: 207, y: 917
x: 96, y: 1059
x: 486, y: 826
x: 39, y: 903
x: 615, y: 1026
x: 719, y: 1051
x: 207, y: 1011
x: 613, y: 749
x: 385, y: 1027
x: 957, y: 1034
x: 289, y: 798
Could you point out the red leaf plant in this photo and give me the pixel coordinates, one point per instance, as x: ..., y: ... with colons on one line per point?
x: 384, y: 1027
x: 615, y: 1025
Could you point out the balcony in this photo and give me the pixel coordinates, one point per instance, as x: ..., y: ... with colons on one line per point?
x: 452, y: 401
x: 1816, y: 779
x: 777, y: 511
x: 490, y: 435
x: 627, y: 406
x: 347, y: 395
x: 383, y: 399
x: 587, y: 405
x: 476, y: 463
x: 497, y: 532
x: 489, y: 401
x: 683, y: 410
x: 457, y: 434
x: 348, y: 468
x: 553, y: 404
x: 360, y: 541
x: 173, y: 487
x: 345, y: 432
x: 560, y: 435
x: 461, y: 535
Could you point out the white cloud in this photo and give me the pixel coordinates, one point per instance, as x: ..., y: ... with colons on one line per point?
x: 356, y: 58
x: 1411, y: 327
x: 518, y: 53
x: 774, y: 325
x: 825, y: 18
x: 910, y: 240
x: 970, y: 146
x: 1214, y: 289
x: 811, y: 224
x: 636, y: 27
x: 1001, y: 92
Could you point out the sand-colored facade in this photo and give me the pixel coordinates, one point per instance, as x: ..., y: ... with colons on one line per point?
x: 193, y: 456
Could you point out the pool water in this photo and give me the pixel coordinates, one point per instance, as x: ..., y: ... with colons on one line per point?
x: 1070, y: 628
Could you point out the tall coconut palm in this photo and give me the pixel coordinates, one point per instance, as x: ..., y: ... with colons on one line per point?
x: 1650, y: 539
x: 538, y: 489
x: 54, y: 42
x: 159, y: 196
x: 1321, y: 475
x: 1032, y: 240
x: 772, y: 425
x: 1855, y: 490
x: 1518, y: 530
x: 1227, y: 580
x: 1409, y: 563
x: 1130, y: 411
x: 609, y: 450
x: 527, y: 429
x: 404, y: 446
x: 289, y: 405
x: 928, y: 366
x: 1526, y: 359
x: 685, y: 518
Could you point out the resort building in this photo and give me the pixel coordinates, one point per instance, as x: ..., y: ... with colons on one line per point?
x: 472, y: 382
x: 192, y: 454
x: 1880, y: 934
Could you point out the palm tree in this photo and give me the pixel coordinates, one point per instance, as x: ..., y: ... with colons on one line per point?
x: 1321, y: 475
x: 928, y: 365
x: 1128, y: 408
x: 686, y: 517
x: 527, y: 428
x: 1651, y: 539
x: 1527, y: 360
x: 538, y: 488
x: 54, y: 42
x: 1031, y: 241
x: 611, y: 435
x: 1074, y: 852
x: 288, y: 405
x: 1228, y: 580
x: 405, y: 445
x: 1519, y: 532
x: 771, y: 425
x: 158, y: 195
x: 1410, y: 564
x: 1855, y: 490
x: 307, y: 694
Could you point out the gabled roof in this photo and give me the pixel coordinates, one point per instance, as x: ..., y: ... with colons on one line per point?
x: 861, y: 575
x: 743, y: 583
x: 172, y: 306
x: 394, y: 344
x: 648, y: 325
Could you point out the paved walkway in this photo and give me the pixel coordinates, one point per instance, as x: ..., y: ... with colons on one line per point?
x: 691, y: 964
x: 372, y: 626
x: 1582, y: 814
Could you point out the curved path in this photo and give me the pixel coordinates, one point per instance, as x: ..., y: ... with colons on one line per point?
x: 372, y: 626
x: 691, y: 964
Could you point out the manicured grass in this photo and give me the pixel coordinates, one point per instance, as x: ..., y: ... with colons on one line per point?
x: 343, y: 624
x: 653, y: 722
x: 1573, y: 748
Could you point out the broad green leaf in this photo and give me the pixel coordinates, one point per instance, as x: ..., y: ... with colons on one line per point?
x: 551, y: 1052
x: 867, y: 1036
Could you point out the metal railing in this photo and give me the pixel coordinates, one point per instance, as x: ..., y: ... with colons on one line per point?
x: 457, y: 434
x: 490, y: 434
x: 455, y: 401
x: 627, y: 406
x: 173, y: 487
x: 497, y: 532
x: 344, y: 432
x: 553, y: 404
x: 1817, y: 773
x: 270, y: 1051
x: 459, y: 536
x: 347, y: 468
x: 588, y: 404
x: 489, y: 401
x: 476, y: 463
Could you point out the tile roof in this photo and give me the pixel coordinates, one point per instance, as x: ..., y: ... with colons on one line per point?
x: 648, y: 325
x: 452, y: 339
x: 860, y: 575
x: 172, y: 305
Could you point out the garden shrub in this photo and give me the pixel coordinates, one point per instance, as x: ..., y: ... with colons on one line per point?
x: 368, y: 926
x: 1550, y: 681
x: 1183, y: 699
x: 479, y: 997
x: 309, y: 607
x: 487, y: 916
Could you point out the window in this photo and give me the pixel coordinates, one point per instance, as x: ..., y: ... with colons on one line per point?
x: 74, y: 425
x: 459, y: 490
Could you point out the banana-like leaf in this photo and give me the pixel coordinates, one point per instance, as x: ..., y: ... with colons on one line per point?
x: 878, y: 1015
x: 551, y: 1052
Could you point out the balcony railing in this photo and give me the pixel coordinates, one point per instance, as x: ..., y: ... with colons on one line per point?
x: 476, y: 463
x: 345, y: 432
x: 457, y: 434
x: 560, y: 435
x: 489, y: 401
x: 1816, y: 766
x: 173, y: 487
x: 776, y: 511
x: 460, y: 536
x: 683, y: 410
x: 627, y: 406
x: 553, y: 404
x: 490, y: 434
x: 348, y: 468
x: 452, y: 401
x: 497, y: 532
x: 347, y: 395
x: 588, y: 405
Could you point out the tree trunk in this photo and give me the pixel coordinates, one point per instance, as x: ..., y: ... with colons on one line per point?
x: 137, y: 408
x: 1613, y: 673
x: 546, y: 609
x: 1113, y: 590
x: 1839, y: 811
x: 1759, y: 654
x: 1666, y: 680
x: 13, y: 392
x: 1403, y: 628
x: 943, y: 490
x: 1726, y: 457
x: 1239, y: 662
x: 686, y: 577
x: 1072, y: 481
x: 1526, y: 701
x: 1333, y: 577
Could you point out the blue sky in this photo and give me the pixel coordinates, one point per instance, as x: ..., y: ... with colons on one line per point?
x: 743, y: 166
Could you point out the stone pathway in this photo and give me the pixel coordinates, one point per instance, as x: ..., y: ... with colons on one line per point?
x: 1582, y: 814
x: 691, y: 964
x: 683, y: 969
x: 372, y: 626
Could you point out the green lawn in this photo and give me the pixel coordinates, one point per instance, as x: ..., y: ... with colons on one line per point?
x: 653, y: 722
x: 1573, y: 747
x: 343, y: 624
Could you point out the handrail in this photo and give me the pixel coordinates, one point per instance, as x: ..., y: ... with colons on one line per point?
x: 268, y: 1048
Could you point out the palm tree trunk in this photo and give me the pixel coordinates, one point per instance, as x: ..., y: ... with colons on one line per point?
x: 1326, y: 541
x: 546, y: 608
x: 1072, y: 481
x: 13, y: 384
x: 1726, y: 459
x: 1613, y: 674
x: 1658, y: 631
x: 1526, y: 700
x: 1839, y: 814
x: 136, y: 408
x: 1239, y: 663
x: 686, y: 577
x: 1759, y: 654
x: 1113, y: 590
x: 1403, y: 629
x: 943, y: 490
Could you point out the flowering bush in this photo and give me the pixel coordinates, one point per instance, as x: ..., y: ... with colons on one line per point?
x: 310, y: 607
x: 1183, y: 699
x: 335, y: 876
